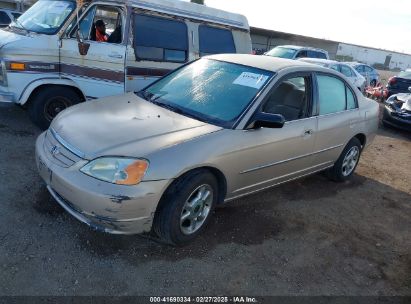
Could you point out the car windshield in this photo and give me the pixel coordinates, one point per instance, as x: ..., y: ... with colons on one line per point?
x: 405, y: 74
x: 209, y: 90
x: 282, y: 52
x: 45, y: 16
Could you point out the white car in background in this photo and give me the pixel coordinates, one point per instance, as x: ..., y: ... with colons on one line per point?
x: 356, y: 78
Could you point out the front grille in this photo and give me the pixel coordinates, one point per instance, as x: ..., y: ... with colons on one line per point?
x: 59, y: 154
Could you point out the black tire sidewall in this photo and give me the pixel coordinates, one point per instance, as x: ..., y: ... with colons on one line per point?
x: 174, y: 201
x: 336, y: 170
x: 41, y: 99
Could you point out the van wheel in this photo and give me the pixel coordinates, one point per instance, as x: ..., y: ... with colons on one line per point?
x: 50, y: 101
x: 346, y: 164
x: 186, y: 208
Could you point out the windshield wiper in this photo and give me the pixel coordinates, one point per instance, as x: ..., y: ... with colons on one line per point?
x: 16, y: 21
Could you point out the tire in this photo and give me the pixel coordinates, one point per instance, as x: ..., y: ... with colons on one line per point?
x: 373, y: 83
x: 342, y: 171
x: 48, y: 102
x: 169, y: 225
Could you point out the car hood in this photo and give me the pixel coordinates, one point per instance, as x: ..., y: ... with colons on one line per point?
x: 7, y: 37
x: 124, y: 125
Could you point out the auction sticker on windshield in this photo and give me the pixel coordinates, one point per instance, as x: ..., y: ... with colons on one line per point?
x: 252, y: 80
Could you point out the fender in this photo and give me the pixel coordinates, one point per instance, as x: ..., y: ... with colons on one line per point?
x: 25, y: 95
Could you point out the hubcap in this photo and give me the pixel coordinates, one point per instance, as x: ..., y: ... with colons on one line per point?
x: 54, y: 106
x: 196, y: 209
x: 350, y: 161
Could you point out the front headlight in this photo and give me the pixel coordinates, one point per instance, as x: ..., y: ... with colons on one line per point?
x: 120, y: 171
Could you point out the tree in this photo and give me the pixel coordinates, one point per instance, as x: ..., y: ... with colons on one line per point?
x: 198, y: 1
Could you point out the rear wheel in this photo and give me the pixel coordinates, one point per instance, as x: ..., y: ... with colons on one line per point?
x: 186, y: 208
x: 46, y: 104
x: 346, y: 164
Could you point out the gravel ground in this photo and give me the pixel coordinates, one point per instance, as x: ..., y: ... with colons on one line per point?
x: 308, y: 237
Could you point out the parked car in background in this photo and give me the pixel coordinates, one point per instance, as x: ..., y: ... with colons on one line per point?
x: 397, y: 111
x: 7, y: 16
x: 356, y: 78
x: 49, y: 61
x: 371, y: 75
x: 212, y: 131
x: 295, y: 52
x: 399, y: 83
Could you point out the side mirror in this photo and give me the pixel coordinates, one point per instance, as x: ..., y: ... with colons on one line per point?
x: 82, y: 46
x: 267, y: 120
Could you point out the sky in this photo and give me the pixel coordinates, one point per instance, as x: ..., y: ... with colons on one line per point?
x: 373, y: 23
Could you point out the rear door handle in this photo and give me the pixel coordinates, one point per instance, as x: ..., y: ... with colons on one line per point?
x: 308, y: 132
x: 114, y: 55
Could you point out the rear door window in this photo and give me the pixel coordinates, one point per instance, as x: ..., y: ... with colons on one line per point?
x: 4, y: 18
x: 302, y: 54
x: 215, y: 40
x: 321, y: 55
x: 346, y: 71
x: 160, y: 39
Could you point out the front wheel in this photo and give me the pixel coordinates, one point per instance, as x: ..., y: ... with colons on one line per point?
x: 346, y: 164
x: 46, y: 104
x: 186, y: 208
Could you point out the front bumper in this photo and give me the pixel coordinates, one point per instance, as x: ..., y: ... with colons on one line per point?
x: 6, y: 97
x: 103, y: 206
x: 390, y: 118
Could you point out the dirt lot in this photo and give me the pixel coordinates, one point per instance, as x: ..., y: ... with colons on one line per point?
x: 309, y: 237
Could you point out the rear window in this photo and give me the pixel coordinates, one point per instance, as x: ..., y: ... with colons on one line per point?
x: 160, y: 39
x: 215, y: 40
x: 4, y: 18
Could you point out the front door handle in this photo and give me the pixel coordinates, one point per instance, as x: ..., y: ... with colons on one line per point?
x: 114, y: 55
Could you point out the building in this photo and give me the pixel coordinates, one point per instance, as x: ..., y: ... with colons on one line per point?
x: 264, y: 40
x: 16, y: 5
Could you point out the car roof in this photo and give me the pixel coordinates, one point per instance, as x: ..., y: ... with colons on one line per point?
x: 268, y: 63
x: 190, y: 10
x: 298, y: 47
x: 319, y: 60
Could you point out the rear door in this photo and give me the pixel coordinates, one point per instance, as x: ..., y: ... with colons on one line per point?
x: 338, y: 118
x: 100, y: 72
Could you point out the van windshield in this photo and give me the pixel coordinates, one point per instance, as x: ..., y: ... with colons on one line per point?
x: 209, y: 90
x: 282, y: 52
x: 45, y: 16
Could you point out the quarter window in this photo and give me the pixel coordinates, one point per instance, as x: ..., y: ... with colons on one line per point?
x: 351, y: 104
x: 334, y: 95
x: 160, y: 39
x: 215, y: 40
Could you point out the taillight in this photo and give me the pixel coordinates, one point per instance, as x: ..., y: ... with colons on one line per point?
x: 392, y: 81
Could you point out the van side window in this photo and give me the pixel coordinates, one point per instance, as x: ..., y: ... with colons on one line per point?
x: 160, y: 39
x: 4, y: 18
x: 334, y: 95
x: 215, y: 40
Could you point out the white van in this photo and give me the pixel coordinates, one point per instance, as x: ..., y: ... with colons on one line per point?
x: 51, y: 60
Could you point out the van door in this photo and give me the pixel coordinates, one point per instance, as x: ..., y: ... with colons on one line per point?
x: 100, y: 72
x: 160, y: 45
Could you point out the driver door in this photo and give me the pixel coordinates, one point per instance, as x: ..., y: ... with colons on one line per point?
x: 100, y: 72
